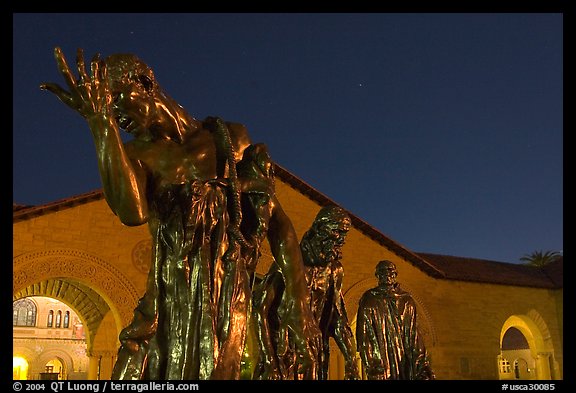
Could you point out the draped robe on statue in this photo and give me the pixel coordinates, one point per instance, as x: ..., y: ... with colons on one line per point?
x: 387, y: 336
x: 184, y: 326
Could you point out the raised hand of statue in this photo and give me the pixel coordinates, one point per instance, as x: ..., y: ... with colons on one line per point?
x: 89, y: 94
x: 92, y: 96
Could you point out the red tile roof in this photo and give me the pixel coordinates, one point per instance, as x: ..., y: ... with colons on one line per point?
x: 480, y: 270
x: 23, y: 212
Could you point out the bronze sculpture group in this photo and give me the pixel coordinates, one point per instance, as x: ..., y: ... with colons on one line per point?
x: 206, y: 192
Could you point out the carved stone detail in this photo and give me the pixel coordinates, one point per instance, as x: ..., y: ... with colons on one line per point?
x: 78, y: 265
x: 142, y: 256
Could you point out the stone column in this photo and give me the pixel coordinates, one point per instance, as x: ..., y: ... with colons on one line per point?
x: 543, y: 366
x: 101, y: 365
x: 107, y: 365
x: 93, y: 360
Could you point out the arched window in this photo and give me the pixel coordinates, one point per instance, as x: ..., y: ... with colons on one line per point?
x: 66, y: 319
x: 59, y: 319
x: 50, y: 321
x: 24, y: 313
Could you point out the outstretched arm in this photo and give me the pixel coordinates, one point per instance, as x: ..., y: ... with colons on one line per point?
x: 124, y: 181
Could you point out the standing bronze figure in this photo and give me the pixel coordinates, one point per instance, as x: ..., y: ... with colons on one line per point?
x: 179, y: 176
x: 321, y: 249
x: 386, y: 331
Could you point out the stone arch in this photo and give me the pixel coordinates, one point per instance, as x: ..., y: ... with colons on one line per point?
x: 27, y: 355
x: 61, y: 355
x: 46, y: 272
x: 536, y: 332
x: 530, y: 330
x: 87, y: 303
x: 24, y: 352
x: 521, y: 368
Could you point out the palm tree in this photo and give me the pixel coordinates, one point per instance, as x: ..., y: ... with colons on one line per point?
x: 540, y: 258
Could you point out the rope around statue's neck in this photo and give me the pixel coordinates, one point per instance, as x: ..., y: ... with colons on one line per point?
x: 234, y: 185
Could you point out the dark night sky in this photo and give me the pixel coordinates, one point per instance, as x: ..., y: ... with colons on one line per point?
x: 442, y: 130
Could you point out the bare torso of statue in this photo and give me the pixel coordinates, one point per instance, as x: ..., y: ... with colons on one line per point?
x: 178, y: 175
x: 172, y: 162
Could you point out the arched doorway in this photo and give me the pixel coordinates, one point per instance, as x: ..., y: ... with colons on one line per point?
x: 100, y: 294
x: 55, y: 369
x: 19, y: 368
x: 49, y: 340
x: 521, y: 369
x: 526, y: 350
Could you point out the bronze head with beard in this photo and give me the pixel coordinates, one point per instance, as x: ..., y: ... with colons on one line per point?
x: 323, y: 242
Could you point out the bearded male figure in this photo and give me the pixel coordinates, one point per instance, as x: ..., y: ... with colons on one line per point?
x: 321, y: 249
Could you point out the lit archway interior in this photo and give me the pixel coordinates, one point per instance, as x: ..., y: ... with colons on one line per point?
x: 19, y: 368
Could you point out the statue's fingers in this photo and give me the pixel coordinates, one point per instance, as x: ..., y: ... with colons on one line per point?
x: 98, y: 70
x: 95, y: 66
x: 81, y: 66
x: 64, y: 68
x: 95, y: 62
x: 103, y: 71
x: 62, y: 94
x: 99, y: 76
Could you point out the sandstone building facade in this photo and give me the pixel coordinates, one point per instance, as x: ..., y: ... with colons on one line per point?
x: 479, y: 319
